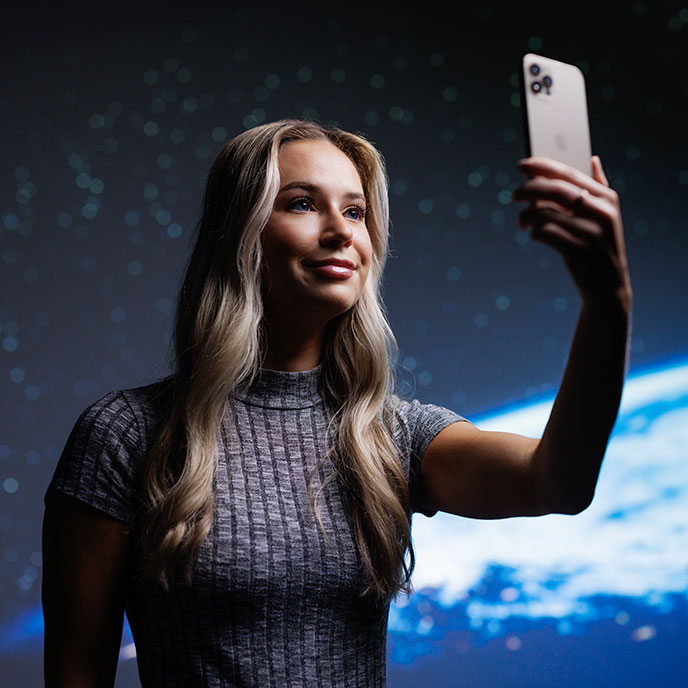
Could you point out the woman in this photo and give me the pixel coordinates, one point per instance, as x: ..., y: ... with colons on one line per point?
x: 252, y: 512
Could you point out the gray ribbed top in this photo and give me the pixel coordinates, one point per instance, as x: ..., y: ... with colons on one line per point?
x: 273, y: 601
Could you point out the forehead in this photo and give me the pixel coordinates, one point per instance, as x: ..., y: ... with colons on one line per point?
x: 317, y: 162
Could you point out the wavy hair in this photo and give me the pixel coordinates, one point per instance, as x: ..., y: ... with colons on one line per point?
x: 219, y: 346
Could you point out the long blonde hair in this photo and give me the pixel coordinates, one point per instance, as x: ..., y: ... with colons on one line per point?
x: 219, y: 347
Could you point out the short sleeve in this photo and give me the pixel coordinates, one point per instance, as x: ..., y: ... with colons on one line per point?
x: 98, y: 463
x: 416, y: 425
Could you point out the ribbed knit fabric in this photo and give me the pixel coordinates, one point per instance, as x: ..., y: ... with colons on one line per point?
x: 273, y: 600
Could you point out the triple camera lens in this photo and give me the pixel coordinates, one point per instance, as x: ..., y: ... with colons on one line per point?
x: 537, y: 86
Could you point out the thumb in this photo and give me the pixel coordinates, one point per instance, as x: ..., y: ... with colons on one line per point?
x: 597, y: 172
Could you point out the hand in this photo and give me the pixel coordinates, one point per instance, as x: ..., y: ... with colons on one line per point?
x: 579, y: 217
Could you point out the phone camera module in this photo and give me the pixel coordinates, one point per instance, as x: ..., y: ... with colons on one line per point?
x: 534, y: 69
x: 547, y: 81
x: 536, y: 87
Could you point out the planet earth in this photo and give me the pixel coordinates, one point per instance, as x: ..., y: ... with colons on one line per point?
x: 598, y: 599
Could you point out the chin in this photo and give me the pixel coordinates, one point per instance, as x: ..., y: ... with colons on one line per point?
x: 337, y: 310
x: 332, y: 309
x: 337, y: 298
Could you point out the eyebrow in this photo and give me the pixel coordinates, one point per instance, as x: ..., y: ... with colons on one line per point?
x: 314, y: 188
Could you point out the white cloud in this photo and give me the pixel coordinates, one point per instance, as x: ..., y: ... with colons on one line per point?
x: 632, y: 541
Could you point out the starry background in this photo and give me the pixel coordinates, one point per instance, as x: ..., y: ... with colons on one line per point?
x: 112, y: 117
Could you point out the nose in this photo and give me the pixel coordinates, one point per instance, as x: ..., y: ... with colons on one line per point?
x: 335, y: 230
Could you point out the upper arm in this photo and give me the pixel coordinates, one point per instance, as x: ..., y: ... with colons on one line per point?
x: 85, y: 561
x: 480, y: 474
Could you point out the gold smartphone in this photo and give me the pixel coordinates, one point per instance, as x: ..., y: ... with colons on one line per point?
x: 555, y: 111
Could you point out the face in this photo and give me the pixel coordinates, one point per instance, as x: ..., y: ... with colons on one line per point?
x: 316, y: 247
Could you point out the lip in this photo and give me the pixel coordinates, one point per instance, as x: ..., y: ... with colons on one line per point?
x: 339, y: 262
x: 336, y: 268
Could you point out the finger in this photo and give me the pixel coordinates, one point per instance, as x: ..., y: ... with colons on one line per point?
x: 553, y: 169
x: 582, y: 228
x: 547, y: 167
x: 598, y: 171
x: 567, y: 195
x: 557, y: 237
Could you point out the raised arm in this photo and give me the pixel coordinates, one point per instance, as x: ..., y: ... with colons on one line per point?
x: 85, y: 557
x: 493, y: 475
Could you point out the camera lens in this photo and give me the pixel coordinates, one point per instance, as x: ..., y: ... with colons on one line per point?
x: 547, y: 81
x: 536, y: 87
x: 534, y: 69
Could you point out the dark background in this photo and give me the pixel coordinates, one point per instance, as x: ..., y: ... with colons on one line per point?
x: 111, y: 118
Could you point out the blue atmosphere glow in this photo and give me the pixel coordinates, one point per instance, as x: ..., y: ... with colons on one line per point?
x: 623, y: 560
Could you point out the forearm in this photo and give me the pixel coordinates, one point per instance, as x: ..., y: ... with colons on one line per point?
x: 85, y: 559
x: 570, y: 453
x: 78, y: 657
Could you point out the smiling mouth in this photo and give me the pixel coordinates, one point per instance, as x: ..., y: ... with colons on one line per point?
x: 336, y: 262
x: 332, y: 267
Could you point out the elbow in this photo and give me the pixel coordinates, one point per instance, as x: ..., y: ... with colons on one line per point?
x: 574, y: 504
x: 568, y: 485
x: 566, y: 503
x: 574, y: 509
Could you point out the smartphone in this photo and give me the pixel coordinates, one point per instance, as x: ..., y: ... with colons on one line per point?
x: 555, y: 111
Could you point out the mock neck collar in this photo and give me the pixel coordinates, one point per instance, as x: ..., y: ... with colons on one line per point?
x: 277, y: 389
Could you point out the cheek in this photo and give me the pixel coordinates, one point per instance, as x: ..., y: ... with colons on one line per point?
x: 366, y: 263
x: 365, y: 250
x: 286, y: 239
x: 273, y: 257
x: 277, y: 248
x: 366, y: 275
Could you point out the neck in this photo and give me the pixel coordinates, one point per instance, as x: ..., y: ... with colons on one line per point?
x: 291, y: 350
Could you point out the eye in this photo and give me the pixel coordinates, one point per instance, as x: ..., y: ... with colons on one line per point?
x: 301, y: 205
x: 356, y: 212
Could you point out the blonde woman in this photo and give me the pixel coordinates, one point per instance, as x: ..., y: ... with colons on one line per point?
x: 251, y: 513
